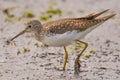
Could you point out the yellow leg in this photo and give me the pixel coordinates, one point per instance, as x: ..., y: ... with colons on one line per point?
x: 86, y: 45
x: 77, y: 60
x: 66, y: 58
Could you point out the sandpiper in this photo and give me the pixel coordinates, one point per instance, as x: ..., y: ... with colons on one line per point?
x: 63, y: 32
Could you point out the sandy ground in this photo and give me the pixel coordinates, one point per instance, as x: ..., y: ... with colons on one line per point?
x: 38, y: 63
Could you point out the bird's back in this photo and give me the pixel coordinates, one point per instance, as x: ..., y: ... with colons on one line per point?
x: 63, y: 31
x: 69, y: 24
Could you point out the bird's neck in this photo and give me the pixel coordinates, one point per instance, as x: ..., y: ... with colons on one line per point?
x: 38, y: 35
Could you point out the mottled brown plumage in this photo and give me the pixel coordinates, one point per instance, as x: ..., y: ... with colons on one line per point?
x: 70, y: 24
x: 63, y: 32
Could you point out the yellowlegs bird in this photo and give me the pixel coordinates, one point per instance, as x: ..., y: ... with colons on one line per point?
x: 63, y: 32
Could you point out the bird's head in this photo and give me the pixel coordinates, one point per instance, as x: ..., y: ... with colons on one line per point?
x: 32, y: 26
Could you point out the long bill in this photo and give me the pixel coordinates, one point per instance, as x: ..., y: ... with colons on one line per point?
x: 22, y: 32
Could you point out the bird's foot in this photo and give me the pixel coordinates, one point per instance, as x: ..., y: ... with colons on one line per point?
x: 77, y: 66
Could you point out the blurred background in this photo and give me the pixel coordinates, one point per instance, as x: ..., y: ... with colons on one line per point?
x: 27, y: 59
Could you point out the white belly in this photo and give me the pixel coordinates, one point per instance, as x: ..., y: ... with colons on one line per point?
x: 66, y: 38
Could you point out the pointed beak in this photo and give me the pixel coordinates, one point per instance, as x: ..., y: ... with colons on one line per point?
x: 22, y: 32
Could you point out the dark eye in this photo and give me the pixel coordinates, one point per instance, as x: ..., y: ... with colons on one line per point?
x: 29, y: 26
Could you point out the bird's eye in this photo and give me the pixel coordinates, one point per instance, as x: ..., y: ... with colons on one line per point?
x: 29, y: 26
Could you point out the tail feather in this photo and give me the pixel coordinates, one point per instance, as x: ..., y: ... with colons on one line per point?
x: 90, y: 23
x: 98, y: 14
x: 106, y: 17
x: 91, y: 16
